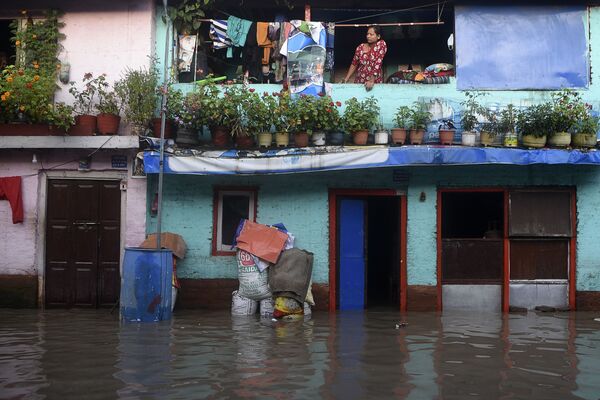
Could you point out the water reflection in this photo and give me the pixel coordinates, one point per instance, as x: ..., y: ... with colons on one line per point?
x: 75, y: 354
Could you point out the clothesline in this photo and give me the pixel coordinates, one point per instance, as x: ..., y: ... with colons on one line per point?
x: 365, y: 25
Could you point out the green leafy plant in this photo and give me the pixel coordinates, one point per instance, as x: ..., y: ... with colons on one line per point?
x: 567, y: 109
x: 284, y: 115
x: 471, y: 109
x: 508, y: 119
x: 403, y: 116
x: 360, y: 115
x: 62, y: 116
x: 259, y: 112
x: 306, y: 114
x: 420, y: 115
x: 328, y: 114
x: 534, y: 120
x: 222, y: 106
x: 187, y: 16
x: 25, y: 95
x: 137, y: 89
x: 85, y: 98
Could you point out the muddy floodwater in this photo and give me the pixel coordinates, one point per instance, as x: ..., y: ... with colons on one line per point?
x: 83, y: 354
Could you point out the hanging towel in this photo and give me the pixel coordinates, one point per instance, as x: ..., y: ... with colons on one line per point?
x: 10, y: 189
x: 218, y: 34
x: 237, y: 30
x: 262, y: 38
x: 187, y: 48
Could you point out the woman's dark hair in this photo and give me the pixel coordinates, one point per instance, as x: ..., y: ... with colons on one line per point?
x: 376, y: 29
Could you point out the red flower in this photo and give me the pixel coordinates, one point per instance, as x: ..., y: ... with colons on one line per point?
x: 251, y: 90
x: 338, y: 103
x: 331, y: 104
x: 329, y: 110
x: 265, y: 94
x: 321, y: 94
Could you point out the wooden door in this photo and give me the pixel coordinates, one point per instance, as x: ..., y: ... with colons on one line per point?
x: 82, y: 243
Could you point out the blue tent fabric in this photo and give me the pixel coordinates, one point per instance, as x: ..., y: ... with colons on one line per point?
x: 232, y: 162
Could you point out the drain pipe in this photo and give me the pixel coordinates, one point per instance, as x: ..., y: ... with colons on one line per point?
x: 163, y: 118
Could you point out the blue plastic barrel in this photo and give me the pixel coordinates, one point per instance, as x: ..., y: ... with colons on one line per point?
x: 146, y: 285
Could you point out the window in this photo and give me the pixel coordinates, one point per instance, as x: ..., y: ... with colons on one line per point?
x: 230, y: 206
x: 7, y: 48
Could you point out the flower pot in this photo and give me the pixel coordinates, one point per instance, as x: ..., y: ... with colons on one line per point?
x: 318, y: 139
x: 510, y: 139
x: 381, y: 137
x: 282, y: 139
x: 360, y: 138
x: 446, y: 136
x: 559, y: 139
x: 265, y: 139
x: 219, y: 136
x: 301, y: 139
x: 169, y: 130
x: 244, y: 141
x: 187, y: 135
x: 584, y: 141
x: 398, y: 136
x: 487, y: 138
x: 533, y: 141
x: 416, y: 136
x: 468, y: 138
x: 336, y: 138
x: 108, y: 124
x: 85, y: 125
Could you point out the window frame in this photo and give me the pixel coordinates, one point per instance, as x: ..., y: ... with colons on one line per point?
x: 218, y: 248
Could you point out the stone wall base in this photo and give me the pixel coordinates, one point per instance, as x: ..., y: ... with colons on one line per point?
x: 18, y: 291
x: 588, y: 301
x: 421, y: 298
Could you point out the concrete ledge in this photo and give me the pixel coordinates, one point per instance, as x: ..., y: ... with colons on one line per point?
x: 69, y: 142
x: 18, y: 291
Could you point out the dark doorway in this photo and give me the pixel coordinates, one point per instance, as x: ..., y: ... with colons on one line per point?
x: 82, y: 243
x: 369, y: 250
x: 383, y: 267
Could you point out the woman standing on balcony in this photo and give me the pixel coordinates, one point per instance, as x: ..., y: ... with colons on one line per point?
x: 368, y: 59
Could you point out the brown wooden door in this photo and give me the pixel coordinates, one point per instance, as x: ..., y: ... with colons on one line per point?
x: 82, y: 243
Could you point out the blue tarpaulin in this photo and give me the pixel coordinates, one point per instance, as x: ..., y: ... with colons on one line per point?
x: 312, y: 159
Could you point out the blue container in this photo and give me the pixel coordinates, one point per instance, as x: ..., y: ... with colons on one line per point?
x: 146, y: 285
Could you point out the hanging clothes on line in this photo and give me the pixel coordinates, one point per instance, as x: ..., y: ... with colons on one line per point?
x: 218, y: 34
x: 237, y: 31
x: 262, y: 38
x: 10, y: 189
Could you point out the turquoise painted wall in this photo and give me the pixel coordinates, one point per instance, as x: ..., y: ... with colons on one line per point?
x: 300, y: 201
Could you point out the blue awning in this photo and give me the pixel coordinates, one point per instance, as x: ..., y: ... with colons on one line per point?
x: 312, y: 159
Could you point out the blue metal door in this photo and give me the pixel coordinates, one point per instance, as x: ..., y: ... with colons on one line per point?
x: 351, y: 254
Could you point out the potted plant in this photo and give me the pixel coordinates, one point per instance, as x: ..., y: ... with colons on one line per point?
x: 327, y: 119
x: 567, y: 109
x: 469, y: 118
x: 506, y: 125
x: 187, y: 117
x: 108, y: 107
x: 224, y: 113
x: 446, y: 131
x: 258, y: 113
x: 585, y: 130
x: 305, y: 114
x: 534, y: 125
x: 359, y: 117
x: 402, y: 118
x: 381, y: 135
x: 137, y: 89
x: 284, y: 118
x: 420, y: 117
x: 173, y: 105
x: 61, y: 117
x: 85, y: 103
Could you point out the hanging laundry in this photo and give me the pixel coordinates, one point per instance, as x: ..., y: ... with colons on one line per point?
x: 10, y: 189
x: 330, y: 56
x: 187, y: 47
x: 218, y: 34
x: 237, y: 31
x: 262, y: 39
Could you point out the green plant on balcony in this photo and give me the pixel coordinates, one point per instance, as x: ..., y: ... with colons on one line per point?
x: 419, y: 115
x: 360, y: 115
x: 137, y: 88
x: 25, y: 96
x: 258, y: 112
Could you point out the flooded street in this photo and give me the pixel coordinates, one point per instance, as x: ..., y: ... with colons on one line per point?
x: 89, y: 354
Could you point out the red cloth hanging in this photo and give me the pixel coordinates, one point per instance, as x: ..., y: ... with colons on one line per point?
x: 10, y: 189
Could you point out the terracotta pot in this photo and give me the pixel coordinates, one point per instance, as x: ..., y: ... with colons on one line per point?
x: 446, y: 136
x: 85, y: 125
x: 244, y: 141
x: 398, y: 136
x: 30, y: 130
x: 282, y: 139
x: 559, y: 139
x: 416, y: 136
x: 360, y: 138
x: 533, y: 141
x: 584, y: 141
x: 219, y: 136
x: 169, y: 128
x: 301, y: 139
x: 108, y: 124
x: 265, y: 139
